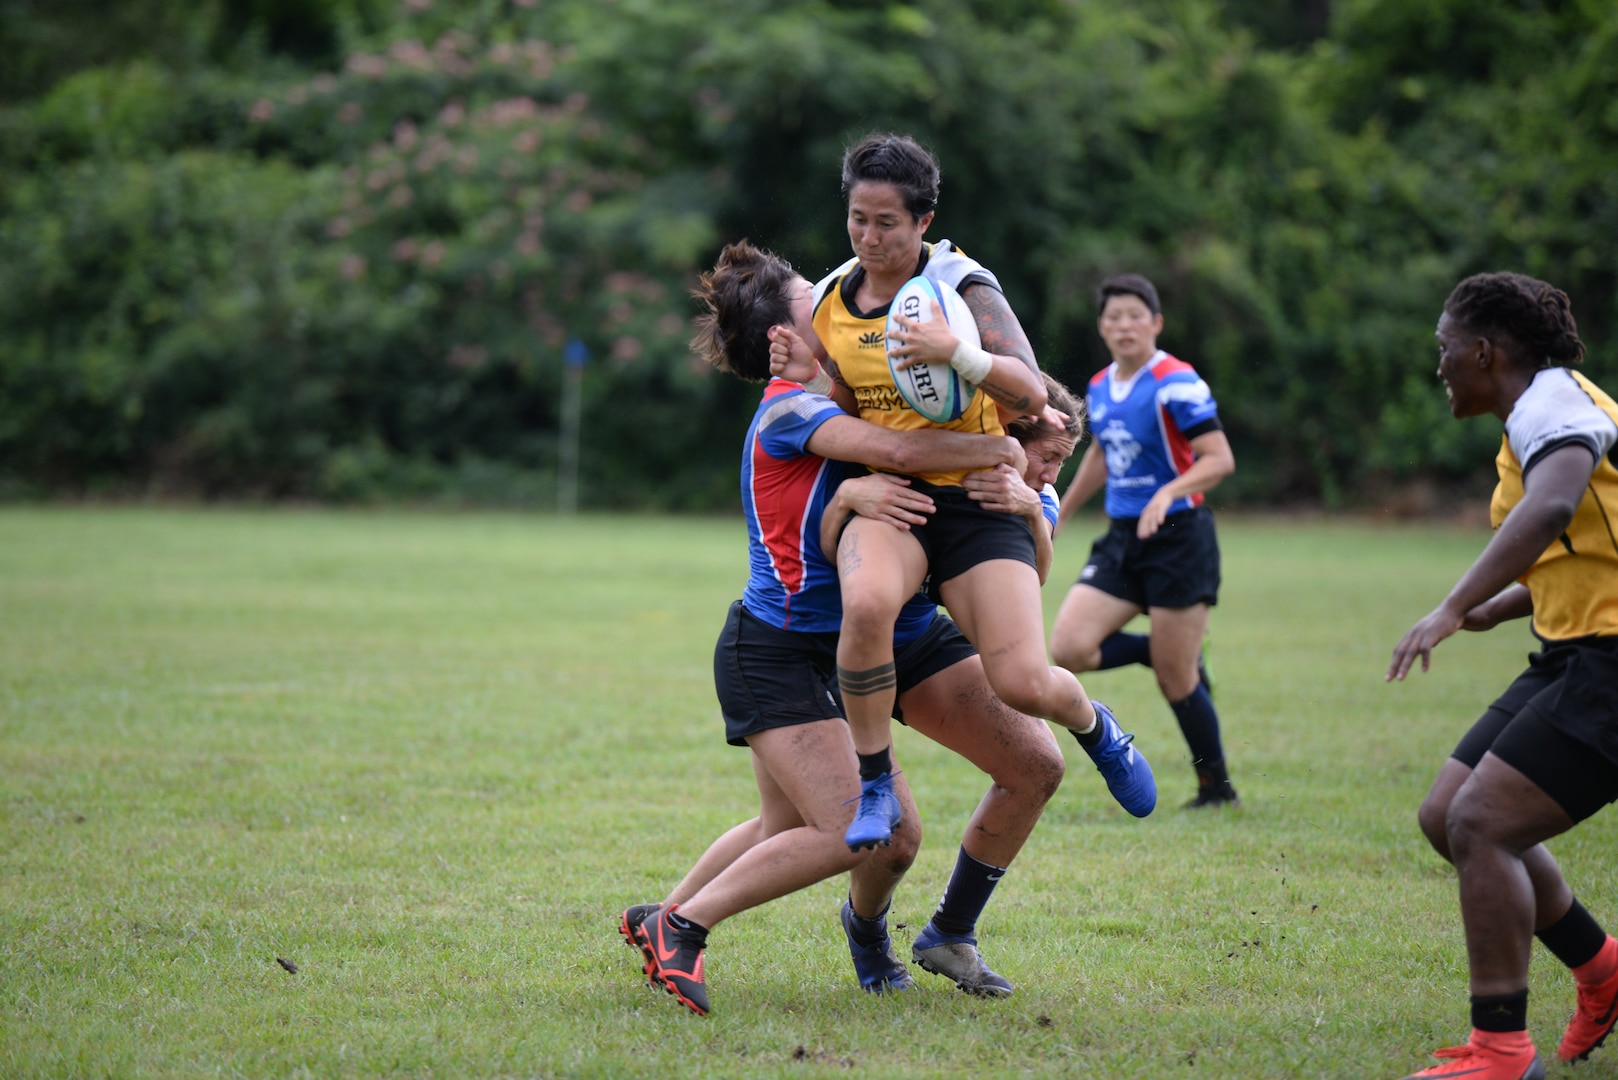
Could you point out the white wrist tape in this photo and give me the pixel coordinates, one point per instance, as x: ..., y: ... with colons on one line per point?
x: 971, y: 363
x: 821, y: 384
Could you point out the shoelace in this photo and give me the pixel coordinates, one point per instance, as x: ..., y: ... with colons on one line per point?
x: 1117, y: 749
x: 891, y: 778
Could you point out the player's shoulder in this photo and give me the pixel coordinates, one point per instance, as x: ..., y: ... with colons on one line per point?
x: 1100, y: 377
x: 788, y: 400
x: 1561, y: 406
x: 1557, y: 393
x: 948, y: 263
x: 828, y: 284
x: 1165, y: 366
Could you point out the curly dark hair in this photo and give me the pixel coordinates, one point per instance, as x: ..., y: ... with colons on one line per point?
x: 1532, y: 320
x: 748, y: 291
x: 898, y: 160
x: 1025, y: 429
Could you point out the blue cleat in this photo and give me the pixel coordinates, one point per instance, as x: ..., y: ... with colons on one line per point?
x: 878, y: 968
x: 958, y: 958
x: 1128, y: 776
x: 877, y: 815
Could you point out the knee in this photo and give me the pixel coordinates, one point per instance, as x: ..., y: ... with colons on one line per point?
x: 900, y: 853
x: 1068, y: 652
x: 866, y: 612
x: 1432, y: 818
x: 1027, y: 690
x: 1041, y: 774
x: 1175, y: 686
x: 1029, y: 778
x: 1467, y: 825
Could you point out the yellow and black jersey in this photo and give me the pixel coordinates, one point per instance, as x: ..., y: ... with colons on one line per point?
x: 856, y: 341
x: 1574, y: 584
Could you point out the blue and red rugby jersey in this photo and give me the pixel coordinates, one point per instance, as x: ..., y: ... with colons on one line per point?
x: 1145, y: 427
x: 785, y: 488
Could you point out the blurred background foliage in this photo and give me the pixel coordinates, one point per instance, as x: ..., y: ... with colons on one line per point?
x: 335, y: 249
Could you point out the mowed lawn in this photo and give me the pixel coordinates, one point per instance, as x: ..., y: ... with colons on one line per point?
x: 425, y: 759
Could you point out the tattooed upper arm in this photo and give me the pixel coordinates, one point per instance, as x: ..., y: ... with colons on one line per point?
x: 835, y: 372
x: 1002, y: 334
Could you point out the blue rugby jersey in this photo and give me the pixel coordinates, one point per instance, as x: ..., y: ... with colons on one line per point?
x: 1145, y: 426
x: 785, y: 488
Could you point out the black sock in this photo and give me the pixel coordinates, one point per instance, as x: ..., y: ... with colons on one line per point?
x: 1123, y: 649
x: 867, y: 932
x: 1091, y: 737
x: 686, y: 926
x: 966, y: 895
x: 874, y: 765
x: 1199, y: 723
x: 1501, y: 1012
x: 1575, y: 938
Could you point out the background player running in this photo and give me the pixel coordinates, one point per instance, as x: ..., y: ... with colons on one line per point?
x: 1157, y: 446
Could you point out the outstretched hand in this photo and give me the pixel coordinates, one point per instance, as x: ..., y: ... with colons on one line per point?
x: 1420, y: 640
x: 790, y: 356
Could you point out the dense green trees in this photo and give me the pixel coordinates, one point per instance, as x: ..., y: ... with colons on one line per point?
x: 337, y: 248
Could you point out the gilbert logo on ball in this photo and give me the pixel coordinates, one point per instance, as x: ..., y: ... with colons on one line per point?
x: 933, y: 390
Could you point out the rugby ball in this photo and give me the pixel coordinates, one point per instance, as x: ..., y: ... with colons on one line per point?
x: 934, y: 390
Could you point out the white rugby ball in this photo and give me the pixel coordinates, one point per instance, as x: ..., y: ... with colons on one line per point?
x: 933, y: 390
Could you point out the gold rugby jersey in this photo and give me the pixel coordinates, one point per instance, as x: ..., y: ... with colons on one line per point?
x: 856, y: 340
x: 1574, y: 584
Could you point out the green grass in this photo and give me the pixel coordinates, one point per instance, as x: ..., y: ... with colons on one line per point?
x: 428, y: 758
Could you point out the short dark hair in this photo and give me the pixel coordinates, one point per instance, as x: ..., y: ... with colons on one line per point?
x: 1534, y: 317
x: 748, y: 291
x: 898, y: 160
x: 1128, y: 285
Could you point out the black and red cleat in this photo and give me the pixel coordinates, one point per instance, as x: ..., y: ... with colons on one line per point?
x: 1594, y: 1017
x: 674, y: 957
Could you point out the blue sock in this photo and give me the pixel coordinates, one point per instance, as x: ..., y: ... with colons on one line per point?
x: 968, y: 891
x: 1199, y: 723
x: 1122, y: 649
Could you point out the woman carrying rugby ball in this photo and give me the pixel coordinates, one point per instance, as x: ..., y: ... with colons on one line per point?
x: 981, y: 562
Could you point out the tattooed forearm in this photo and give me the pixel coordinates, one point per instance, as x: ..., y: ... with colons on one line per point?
x: 998, y: 327
x: 1011, y: 399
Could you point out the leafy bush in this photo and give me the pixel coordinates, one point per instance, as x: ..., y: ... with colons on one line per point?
x: 225, y: 271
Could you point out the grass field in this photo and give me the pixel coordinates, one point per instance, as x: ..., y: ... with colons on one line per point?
x: 426, y: 759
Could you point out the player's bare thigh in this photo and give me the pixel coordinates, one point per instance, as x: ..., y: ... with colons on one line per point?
x: 1087, y: 617
x: 879, y: 567
x: 997, y: 606
x: 956, y: 709
x: 807, y: 775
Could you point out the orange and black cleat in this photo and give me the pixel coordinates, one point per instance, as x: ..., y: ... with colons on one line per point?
x: 628, y: 923
x: 1488, y: 1055
x: 1594, y: 1017
x: 674, y: 957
